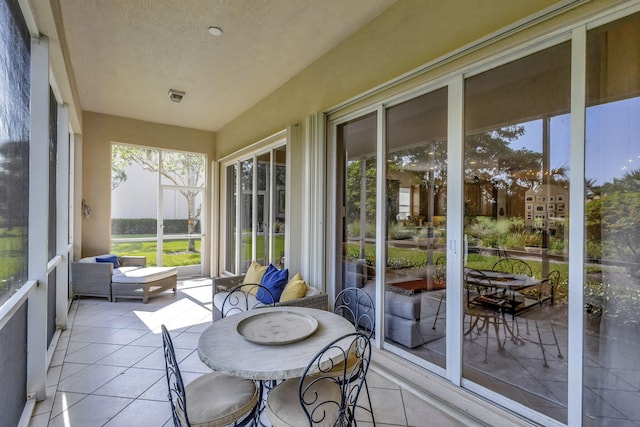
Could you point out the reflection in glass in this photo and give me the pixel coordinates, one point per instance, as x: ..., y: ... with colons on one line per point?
x: 611, y: 395
x: 516, y: 212
x: 416, y: 225
x: 357, y: 139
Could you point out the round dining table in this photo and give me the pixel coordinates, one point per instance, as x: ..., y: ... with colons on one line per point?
x: 227, y: 346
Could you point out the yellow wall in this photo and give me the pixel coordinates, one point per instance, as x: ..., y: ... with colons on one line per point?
x: 407, y: 35
x: 100, y: 130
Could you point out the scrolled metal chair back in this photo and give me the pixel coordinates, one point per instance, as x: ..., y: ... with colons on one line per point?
x: 177, y: 396
x: 510, y: 265
x: 440, y: 268
x: 335, y: 409
x: 238, y: 299
x: 355, y: 305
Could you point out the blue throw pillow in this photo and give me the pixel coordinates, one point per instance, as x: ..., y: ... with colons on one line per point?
x: 275, y: 280
x: 113, y: 259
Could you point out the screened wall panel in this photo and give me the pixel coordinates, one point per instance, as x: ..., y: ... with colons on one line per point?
x: 14, y: 203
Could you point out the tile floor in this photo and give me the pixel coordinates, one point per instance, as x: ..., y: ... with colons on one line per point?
x: 108, y: 368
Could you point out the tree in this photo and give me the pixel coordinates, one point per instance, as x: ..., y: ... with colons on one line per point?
x: 615, y: 216
x: 184, y: 170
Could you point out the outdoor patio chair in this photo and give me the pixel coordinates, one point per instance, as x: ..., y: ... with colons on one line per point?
x: 483, y: 311
x: 355, y: 305
x: 513, y: 265
x: 440, y: 273
x: 242, y: 298
x: 544, y: 292
x: 210, y: 400
x: 320, y: 397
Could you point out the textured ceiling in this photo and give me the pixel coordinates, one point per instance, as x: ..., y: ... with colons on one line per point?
x: 127, y: 54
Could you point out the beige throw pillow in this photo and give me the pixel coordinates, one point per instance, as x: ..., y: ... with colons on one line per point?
x: 295, y: 288
x: 253, y: 276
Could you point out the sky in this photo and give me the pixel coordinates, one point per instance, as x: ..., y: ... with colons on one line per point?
x: 612, y: 140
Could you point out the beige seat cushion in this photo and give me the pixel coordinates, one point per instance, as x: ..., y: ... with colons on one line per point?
x: 284, y: 409
x: 142, y: 274
x: 217, y: 400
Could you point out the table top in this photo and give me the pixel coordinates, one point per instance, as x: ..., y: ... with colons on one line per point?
x: 223, y: 349
x: 499, y: 279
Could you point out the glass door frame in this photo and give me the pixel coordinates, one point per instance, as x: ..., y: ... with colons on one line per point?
x: 183, y: 271
x: 576, y: 34
x: 268, y: 146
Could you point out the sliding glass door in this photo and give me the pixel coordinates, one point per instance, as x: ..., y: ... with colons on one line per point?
x: 416, y: 219
x: 255, y: 200
x: 611, y: 332
x: 516, y: 222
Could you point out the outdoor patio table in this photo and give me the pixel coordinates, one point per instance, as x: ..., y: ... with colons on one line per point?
x: 510, y: 283
x: 222, y: 347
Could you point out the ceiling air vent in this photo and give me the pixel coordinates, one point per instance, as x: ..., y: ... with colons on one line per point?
x: 176, y: 95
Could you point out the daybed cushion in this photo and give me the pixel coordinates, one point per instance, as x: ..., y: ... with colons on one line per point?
x: 142, y: 275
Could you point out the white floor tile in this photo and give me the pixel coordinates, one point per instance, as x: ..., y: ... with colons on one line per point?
x: 131, y: 383
x: 90, y: 411
x: 127, y: 356
x: 89, y: 379
x: 146, y: 413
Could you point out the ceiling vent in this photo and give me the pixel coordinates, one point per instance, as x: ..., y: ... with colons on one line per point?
x: 176, y: 95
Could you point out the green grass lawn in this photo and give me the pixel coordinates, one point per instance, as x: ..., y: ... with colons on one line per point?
x: 246, y: 247
x: 406, y: 257
x: 174, y: 252
x: 12, y: 252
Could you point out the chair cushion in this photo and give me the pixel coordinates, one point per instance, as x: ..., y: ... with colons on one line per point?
x: 217, y: 399
x: 142, y: 274
x: 284, y: 409
x: 253, y: 276
x: 274, y: 280
x: 295, y: 288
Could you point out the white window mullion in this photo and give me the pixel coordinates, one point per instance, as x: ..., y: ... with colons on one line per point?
x: 381, y: 223
x: 62, y: 217
x: 455, y: 237
x: 38, y: 218
x: 254, y: 209
x: 214, y: 233
x: 238, y: 218
x: 271, y: 190
x: 159, y: 214
x: 576, y: 225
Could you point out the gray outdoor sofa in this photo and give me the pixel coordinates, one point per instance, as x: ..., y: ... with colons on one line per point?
x: 221, y: 285
x: 132, y: 280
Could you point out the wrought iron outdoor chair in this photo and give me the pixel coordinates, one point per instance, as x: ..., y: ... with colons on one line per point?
x: 210, y: 400
x: 320, y: 397
x: 355, y: 305
x: 242, y: 298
